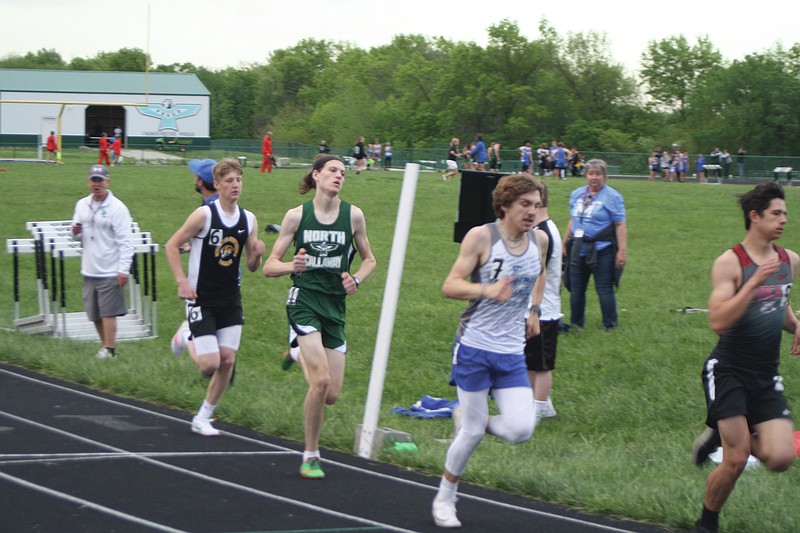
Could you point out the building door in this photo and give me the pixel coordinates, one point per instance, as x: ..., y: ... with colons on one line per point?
x: 104, y: 119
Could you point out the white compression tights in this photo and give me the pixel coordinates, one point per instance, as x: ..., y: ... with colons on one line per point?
x: 514, y: 423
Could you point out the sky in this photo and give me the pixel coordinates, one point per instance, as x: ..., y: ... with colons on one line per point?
x: 233, y: 33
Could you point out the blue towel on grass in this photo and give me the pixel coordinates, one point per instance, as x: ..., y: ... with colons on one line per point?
x: 429, y: 407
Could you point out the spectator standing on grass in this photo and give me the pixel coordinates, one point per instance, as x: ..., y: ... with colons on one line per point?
x: 220, y: 232
x: 387, y: 155
x: 726, y: 160
x: 576, y: 162
x: 684, y: 165
x: 266, y: 151
x: 543, y: 154
x: 596, y: 245
x: 665, y: 162
x: 540, y: 350
x: 561, y: 156
x: 467, y: 155
x: 495, y: 161
x: 103, y: 225
x: 499, y: 269
x: 749, y: 308
x: 116, y: 149
x: 52, y: 147
x: 359, y: 152
x: 701, y: 168
x: 323, y: 147
x: 741, y: 155
x: 103, y: 146
x: 377, y: 150
x: 452, y: 159
x: 654, y: 165
x: 526, y: 155
x: 325, y: 232
x: 715, y: 160
x: 478, y: 153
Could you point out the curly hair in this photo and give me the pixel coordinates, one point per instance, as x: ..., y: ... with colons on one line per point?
x: 509, y: 188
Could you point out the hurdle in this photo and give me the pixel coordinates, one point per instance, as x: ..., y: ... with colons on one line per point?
x: 52, y: 243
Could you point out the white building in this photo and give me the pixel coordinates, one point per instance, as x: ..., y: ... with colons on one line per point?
x: 88, y: 103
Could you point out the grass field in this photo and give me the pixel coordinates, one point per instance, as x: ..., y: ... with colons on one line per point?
x: 629, y: 402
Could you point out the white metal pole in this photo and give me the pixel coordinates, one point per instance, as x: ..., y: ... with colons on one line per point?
x: 388, y: 309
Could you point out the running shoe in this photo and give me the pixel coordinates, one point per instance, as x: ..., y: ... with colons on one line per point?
x: 105, y: 353
x: 702, y: 529
x: 311, y: 469
x: 203, y: 427
x: 548, y: 411
x: 286, y: 360
x: 178, y: 343
x: 444, y: 513
x: 705, y: 445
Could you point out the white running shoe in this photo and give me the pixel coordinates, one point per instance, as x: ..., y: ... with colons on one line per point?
x: 444, y: 513
x: 203, y: 427
x: 548, y: 411
x: 103, y: 353
x: 178, y: 343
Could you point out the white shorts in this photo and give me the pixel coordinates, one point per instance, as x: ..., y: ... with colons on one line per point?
x: 451, y: 165
x: 229, y: 337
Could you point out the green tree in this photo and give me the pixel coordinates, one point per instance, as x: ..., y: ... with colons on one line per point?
x: 41, y: 59
x: 753, y: 103
x: 593, y: 82
x: 672, y: 69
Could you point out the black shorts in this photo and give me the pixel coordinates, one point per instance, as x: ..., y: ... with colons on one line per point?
x: 733, y: 392
x: 206, y: 320
x: 540, y: 351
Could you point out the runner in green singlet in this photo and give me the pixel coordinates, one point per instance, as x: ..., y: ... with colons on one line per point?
x: 326, y: 232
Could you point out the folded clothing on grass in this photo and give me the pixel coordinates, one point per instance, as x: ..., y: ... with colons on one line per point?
x: 429, y: 407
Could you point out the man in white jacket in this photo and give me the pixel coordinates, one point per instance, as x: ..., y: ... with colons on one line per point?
x: 103, y: 225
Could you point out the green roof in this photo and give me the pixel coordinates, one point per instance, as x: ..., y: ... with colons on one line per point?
x: 98, y: 82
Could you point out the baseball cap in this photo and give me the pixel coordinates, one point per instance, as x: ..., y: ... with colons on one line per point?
x: 202, y: 168
x: 98, y: 172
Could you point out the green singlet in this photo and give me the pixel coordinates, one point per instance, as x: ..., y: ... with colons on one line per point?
x: 329, y: 249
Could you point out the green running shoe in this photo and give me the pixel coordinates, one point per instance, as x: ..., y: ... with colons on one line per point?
x: 311, y: 469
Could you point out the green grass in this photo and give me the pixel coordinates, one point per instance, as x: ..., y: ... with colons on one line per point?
x: 629, y: 403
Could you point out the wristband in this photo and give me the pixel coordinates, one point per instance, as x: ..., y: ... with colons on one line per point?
x: 535, y: 309
x: 356, y: 281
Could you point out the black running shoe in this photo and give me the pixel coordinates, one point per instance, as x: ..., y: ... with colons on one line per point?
x: 705, y: 445
x: 702, y: 529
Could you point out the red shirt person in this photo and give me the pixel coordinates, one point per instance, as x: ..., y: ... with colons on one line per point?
x: 52, y: 145
x: 266, y: 149
x: 103, y: 150
x: 116, y: 147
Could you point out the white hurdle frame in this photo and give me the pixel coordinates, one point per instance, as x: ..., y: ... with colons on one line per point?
x: 55, y: 237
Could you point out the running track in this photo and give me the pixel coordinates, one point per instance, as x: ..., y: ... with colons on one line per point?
x: 76, y: 460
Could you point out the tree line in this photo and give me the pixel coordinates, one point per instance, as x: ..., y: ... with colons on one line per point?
x: 417, y: 91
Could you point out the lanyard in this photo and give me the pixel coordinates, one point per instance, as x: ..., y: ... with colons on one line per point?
x: 585, y: 205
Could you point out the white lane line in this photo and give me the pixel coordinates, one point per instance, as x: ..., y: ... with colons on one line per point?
x: 346, y: 466
x: 204, y: 477
x: 33, y: 458
x: 86, y: 503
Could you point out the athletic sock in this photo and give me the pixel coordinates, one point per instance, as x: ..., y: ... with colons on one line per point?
x: 310, y: 454
x: 206, y: 410
x: 709, y: 519
x: 447, y: 490
x: 112, y: 351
